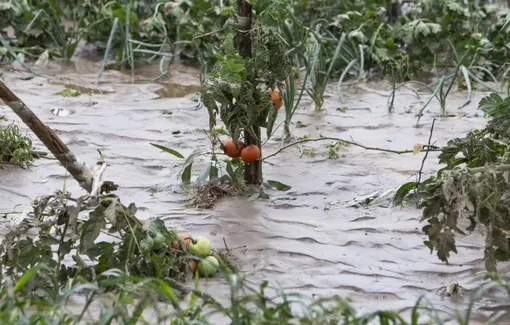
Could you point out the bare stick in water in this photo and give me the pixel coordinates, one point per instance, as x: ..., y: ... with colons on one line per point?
x: 349, y: 142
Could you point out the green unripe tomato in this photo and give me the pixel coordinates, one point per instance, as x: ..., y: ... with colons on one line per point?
x: 146, y: 244
x: 159, y: 242
x: 202, y: 247
x: 208, y: 266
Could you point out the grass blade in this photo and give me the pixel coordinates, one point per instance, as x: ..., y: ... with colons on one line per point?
x: 109, y: 46
x: 342, y: 76
x: 465, y: 74
x: 170, y: 151
x: 29, y: 275
x: 438, y: 88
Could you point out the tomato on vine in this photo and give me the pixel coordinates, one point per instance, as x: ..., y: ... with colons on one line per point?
x: 250, y: 154
x: 231, y: 150
x: 276, y: 98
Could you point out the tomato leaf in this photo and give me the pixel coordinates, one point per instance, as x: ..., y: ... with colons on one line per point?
x: 279, y: 186
x: 157, y: 226
x: 91, y: 229
x: 403, y: 191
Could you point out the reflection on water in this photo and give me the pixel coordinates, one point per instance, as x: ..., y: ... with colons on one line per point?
x: 176, y: 91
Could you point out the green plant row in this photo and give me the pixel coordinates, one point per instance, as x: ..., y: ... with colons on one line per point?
x: 118, y: 299
x: 347, y: 38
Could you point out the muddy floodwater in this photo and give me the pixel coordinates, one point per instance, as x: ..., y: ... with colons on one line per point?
x: 305, y: 239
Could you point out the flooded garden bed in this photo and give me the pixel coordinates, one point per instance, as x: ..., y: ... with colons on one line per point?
x: 304, y: 238
x: 341, y: 208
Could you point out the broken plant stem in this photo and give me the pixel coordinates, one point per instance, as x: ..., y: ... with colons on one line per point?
x: 420, y: 172
x: 79, y: 170
x: 398, y: 152
x: 97, y: 181
x: 208, y: 34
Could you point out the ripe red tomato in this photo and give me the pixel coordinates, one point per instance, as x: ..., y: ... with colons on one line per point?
x: 250, y: 153
x: 276, y: 98
x: 230, y: 148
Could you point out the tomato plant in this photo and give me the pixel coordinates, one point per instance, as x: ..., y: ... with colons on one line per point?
x: 237, y: 87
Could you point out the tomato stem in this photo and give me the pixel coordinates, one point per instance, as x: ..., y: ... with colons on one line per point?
x: 252, y: 171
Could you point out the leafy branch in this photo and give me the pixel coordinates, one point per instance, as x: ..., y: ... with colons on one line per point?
x: 473, y: 185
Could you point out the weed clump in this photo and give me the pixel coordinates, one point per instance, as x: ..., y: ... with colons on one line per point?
x: 16, y: 148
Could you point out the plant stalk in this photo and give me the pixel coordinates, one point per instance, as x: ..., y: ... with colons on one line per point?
x: 253, y: 171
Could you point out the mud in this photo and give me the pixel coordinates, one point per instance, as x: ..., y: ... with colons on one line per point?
x: 303, y: 238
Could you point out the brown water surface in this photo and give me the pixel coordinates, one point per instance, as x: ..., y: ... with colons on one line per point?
x: 303, y: 239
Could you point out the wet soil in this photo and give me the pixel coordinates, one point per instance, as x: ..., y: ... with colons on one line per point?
x: 303, y: 238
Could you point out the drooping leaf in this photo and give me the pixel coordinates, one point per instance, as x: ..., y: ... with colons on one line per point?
x: 403, y: 191
x: 186, y: 174
x: 91, y: 229
x: 107, y: 258
x: 111, y: 212
x: 271, y: 119
x: 279, y: 186
x: 170, y: 151
x: 157, y: 226
x: 445, y: 245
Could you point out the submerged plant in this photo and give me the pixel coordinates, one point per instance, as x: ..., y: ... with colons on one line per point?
x: 16, y: 148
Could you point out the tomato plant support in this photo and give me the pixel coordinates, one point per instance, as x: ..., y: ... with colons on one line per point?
x: 253, y: 171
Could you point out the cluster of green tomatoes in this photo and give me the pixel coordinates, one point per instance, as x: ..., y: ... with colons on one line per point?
x: 200, y: 247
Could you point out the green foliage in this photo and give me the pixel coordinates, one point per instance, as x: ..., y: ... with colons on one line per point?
x: 132, y: 300
x: 16, y: 148
x: 238, y: 84
x: 495, y: 106
x: 69, y: 92
x: 55, y: 233
x: 378, y: 40
x: 164, y: 25
x: 473, y: 186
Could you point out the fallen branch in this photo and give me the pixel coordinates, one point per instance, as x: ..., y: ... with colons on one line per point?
x: 79, y: 170
x: 398, y: 152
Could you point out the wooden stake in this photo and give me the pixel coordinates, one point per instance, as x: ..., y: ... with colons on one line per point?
x: 79, y: 170
x: 253, y: 171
